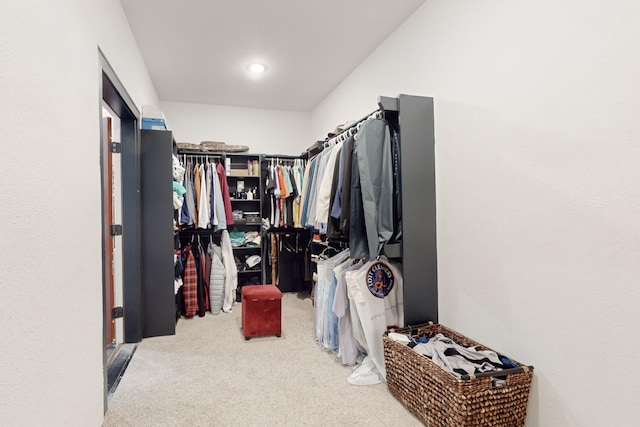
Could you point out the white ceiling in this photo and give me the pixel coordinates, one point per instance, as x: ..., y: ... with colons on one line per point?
x: 197, y: 50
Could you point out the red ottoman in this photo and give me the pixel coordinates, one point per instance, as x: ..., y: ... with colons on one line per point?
x: 261, y: 311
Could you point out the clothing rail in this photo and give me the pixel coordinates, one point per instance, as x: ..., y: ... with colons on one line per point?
x: 353, y: 129
x: 279, y: 160
x: 386, y: 105
x: 200, y: 157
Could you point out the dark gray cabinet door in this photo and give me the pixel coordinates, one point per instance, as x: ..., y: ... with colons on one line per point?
x: 158, y: 300
x: 419, y: 252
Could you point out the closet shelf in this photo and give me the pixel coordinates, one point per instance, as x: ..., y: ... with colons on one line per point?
x: 244, y: 222
x: 250, y: 271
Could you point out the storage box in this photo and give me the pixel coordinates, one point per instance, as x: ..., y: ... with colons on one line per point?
x: 439, y: 398
x: 261, y: 311
x: 252, y: 217
x: 238, y: 172
x: 149, y: 123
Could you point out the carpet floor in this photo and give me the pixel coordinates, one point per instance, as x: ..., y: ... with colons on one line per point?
x: 209, y: 375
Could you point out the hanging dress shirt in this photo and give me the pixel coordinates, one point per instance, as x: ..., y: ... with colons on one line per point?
x: 324, y: 191
x: 349, y: 351
x: 204, y: 202
x: 306, y: 191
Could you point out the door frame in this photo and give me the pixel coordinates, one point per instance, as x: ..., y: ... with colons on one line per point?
x: 108, y: 238
x: 113, y: 93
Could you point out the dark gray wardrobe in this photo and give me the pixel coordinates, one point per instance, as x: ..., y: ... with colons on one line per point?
x: 419, y: 249
x: 157, y: 236
x: 413, y: 117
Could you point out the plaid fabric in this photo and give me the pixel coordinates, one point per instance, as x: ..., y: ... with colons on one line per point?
x: 190, y: 283
x: 207, y: 279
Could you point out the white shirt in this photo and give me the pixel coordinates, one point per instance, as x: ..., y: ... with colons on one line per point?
x: 376, y: 313
x: 324, y: 191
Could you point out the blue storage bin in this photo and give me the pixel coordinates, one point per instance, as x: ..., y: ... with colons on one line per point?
x: 150, y: 123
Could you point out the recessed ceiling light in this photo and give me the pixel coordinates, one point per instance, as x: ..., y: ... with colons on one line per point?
x: 257, y: 68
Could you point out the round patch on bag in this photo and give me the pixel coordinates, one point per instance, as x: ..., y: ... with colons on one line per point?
x: 380, y: 280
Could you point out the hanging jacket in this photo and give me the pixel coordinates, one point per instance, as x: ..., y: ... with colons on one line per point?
x: 376, y: 183
x: 188, y: 206
x: 216, y: 278
x: 220, y: 215
x: 202, y: 292
x: 225, y: 193
x: 197, y: 182
x: 231, y: 272
x: 190, y: 280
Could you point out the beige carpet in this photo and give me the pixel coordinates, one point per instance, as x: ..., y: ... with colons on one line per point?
x: 208, y: 375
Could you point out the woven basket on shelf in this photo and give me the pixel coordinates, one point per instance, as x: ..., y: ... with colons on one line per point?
x: 438, y: 398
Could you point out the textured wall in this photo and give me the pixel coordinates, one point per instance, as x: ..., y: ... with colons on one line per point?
x: 538, y: 185
x: 51, y: 278
x: 263, y: 131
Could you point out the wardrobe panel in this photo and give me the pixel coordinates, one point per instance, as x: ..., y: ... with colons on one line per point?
x: 419, y: 251
x: 131, y: 245
x: 158, y: 301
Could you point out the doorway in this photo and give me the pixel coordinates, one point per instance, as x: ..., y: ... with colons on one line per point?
x: 112, y: 212
x: 120, y: 179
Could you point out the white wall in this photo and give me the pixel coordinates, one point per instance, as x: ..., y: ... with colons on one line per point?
x: 538, y: 185
x: 263, y: 131
x: 51, y: 278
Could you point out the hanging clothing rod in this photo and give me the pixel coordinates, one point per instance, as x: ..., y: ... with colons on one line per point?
x: 386, y: 105
x: 353, y: 129
x: 200, y: 157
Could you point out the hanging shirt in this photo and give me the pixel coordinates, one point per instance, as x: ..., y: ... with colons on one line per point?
x: 324, y: 191
x: 307, y: 181
x: 349, y: 350
x: 321, y: 296
x: 298, y: 178
x: 203, y: 207
x: 313, y: 195
x: 345, y: 208
x: 376, y: 289
x: 337, y: 201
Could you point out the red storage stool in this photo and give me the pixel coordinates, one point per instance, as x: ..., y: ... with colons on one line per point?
x: 261, y: 311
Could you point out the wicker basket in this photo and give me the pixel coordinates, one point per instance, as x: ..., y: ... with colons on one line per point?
x: 438, y: 398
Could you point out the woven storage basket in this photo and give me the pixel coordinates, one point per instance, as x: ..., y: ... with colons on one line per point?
x: 439, y: 398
